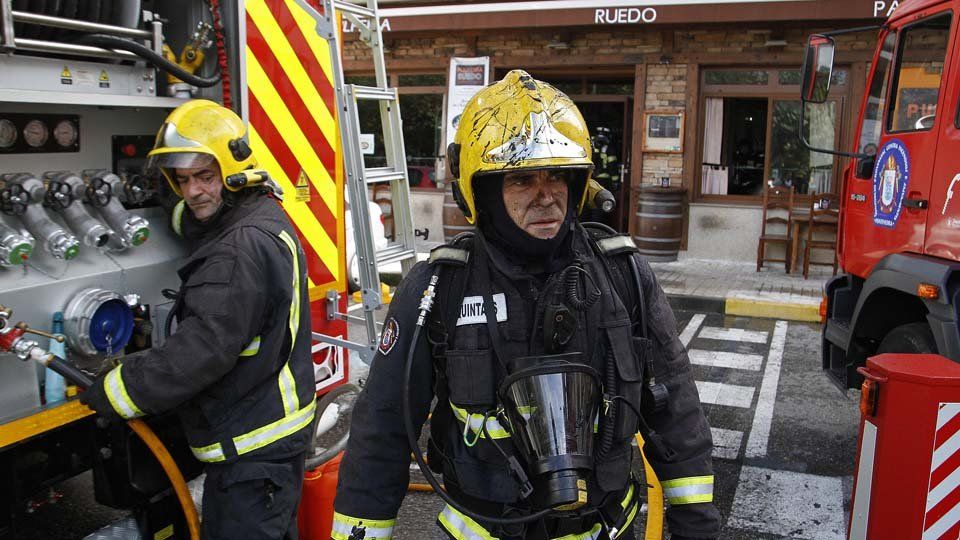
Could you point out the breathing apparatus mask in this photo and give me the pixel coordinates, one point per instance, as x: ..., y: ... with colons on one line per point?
x: 551, y: 403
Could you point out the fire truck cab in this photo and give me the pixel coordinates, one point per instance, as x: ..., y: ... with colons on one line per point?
x: 899, y: 235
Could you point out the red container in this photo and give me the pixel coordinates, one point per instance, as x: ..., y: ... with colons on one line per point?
x: 315, y: 515
x: 908, y: 456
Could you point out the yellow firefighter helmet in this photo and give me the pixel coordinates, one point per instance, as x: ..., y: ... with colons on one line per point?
x: 518, y: 123
x: 198, y: 133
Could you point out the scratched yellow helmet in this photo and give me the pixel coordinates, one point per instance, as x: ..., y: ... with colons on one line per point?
x: 198, y: 133
x: 518, y: 123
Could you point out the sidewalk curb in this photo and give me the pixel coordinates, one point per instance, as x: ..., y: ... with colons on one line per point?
x: 749, y: 307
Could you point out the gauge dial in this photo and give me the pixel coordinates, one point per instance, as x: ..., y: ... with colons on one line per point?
x: 8, y: 133
x: 36, y: 133
x: 65, y: 134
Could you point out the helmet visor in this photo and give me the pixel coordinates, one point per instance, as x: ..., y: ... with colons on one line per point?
x: 180, y: 160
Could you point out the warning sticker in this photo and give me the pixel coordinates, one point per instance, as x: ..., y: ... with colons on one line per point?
x: 104, y: 79
x: 65, y: 76
x: 303, y: 188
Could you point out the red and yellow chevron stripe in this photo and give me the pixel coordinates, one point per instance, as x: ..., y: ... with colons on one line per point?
x: 293, y: 129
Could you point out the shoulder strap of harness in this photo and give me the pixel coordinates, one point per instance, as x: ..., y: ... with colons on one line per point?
x: 620, y: 248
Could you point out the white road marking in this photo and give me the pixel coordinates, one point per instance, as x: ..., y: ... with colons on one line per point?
x: 729, y: 395
x: 731, y: 360
x: 733, y: 334
x: 726, y: 443
x: 775, y: 502
x: 691, y: 329
x: 763, y: 416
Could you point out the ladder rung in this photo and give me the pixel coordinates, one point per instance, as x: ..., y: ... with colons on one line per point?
x: 372, y: 92
x: 360, y: 11
x: 395, y: 253
x: 382, y: 174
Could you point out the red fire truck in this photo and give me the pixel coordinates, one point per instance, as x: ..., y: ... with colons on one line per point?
x: 899, y: 240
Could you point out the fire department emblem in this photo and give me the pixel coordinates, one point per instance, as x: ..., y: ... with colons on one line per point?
x: 890, y: 178
x: 389, y: 335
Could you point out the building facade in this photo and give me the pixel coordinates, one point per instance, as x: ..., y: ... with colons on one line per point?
x: 692, y: 93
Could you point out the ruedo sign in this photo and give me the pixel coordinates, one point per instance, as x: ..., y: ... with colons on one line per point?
x: 566, y: 13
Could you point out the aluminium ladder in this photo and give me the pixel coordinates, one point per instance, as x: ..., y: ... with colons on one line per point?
x: 402, y: 249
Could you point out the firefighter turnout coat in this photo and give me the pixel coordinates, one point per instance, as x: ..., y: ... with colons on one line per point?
x: 454, y: 364
x: 238, y: 367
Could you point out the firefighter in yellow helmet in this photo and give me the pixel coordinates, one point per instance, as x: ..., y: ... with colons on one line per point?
x: 238, y: 368
x: 549, y: 345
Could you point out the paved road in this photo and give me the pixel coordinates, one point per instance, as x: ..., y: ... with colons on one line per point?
x: 784, y: 439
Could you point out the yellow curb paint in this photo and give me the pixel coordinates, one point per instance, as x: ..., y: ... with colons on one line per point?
x: 789, y: 311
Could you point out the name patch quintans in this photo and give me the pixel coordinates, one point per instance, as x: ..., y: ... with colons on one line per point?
x: 389, y: 336
x: 471, y: 311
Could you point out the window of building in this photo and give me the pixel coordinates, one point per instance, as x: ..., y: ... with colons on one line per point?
x: 916, y: 84
x: 749, y: 126
x: 421, y: 107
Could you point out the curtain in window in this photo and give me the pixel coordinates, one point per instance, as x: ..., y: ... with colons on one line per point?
x: 714, y: 177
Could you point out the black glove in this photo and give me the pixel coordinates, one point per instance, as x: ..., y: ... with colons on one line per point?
x: 96, y: 398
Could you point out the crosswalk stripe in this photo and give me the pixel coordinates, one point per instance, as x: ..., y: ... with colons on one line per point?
x: 763, y: 416
x: 726, y: 443
x: 731, y: 360
x: 729, y: 395
x: 691, y: 329
x: 733, y: 334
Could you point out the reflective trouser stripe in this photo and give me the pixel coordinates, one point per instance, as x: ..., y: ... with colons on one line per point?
x: 345, y: 528
x: 251, y: 349
x: 288, y: 386
x: 476, y: 423
x: 176, y: 218
x: 693, y: 489
x: 462, y: 527
x: 592, y: 534
x: 118, y: 396
x: 260, y: 437
x: 630, y: 505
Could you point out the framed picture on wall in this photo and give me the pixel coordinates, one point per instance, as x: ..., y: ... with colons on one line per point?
x: 663, y: 131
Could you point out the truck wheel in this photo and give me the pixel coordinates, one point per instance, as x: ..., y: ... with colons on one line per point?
x: 913, y: 338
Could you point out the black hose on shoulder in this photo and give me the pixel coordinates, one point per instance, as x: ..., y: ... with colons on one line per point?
x: 148, y: 54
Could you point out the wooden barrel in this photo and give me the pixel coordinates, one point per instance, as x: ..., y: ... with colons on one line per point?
x: 659, y: 225
x: 453, y: 221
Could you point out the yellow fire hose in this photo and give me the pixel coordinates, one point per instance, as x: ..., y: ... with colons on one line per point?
x: 163, y: 456
x: 654, y: 528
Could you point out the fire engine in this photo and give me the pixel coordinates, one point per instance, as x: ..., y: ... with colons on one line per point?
x: 899, y: 228
x: 87, y: 258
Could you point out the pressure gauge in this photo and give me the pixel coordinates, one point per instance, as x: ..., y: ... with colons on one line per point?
x: 65, y: 134
x: 8, y: 134
x: 36, y: 133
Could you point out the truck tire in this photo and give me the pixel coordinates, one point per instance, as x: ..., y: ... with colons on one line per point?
x: 912, y: 338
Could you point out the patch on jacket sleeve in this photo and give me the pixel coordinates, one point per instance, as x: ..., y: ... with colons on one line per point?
x: 389, y: 336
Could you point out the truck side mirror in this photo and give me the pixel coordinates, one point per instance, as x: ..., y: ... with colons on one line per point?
x: 864, y: 168
x: 817, y: 69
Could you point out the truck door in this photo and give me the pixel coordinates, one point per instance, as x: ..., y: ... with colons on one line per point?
x: 890, y: 201
x: 943, y: 221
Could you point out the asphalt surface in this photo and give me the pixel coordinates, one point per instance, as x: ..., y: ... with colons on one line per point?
x: 784, y: 440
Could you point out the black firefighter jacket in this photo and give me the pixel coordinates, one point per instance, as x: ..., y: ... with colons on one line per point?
x: 374, y: 473
x: 238, y: 367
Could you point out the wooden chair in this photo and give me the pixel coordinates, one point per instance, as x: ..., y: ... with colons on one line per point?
x: 824, y: 216
x: 780, y: 200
